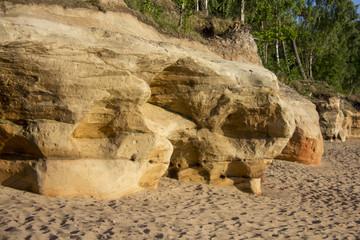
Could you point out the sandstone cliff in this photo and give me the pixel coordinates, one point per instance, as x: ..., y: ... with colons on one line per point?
x: 100, y: 104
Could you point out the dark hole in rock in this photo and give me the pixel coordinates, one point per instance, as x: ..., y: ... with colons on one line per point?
x: 133, y: 158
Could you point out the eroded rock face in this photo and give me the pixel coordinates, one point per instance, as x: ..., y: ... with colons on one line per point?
x: 355, y: 125
x: 70, y: 108
x: 339, y: 118
x: 238, y: 125
x: 331, y: 119
x: 95, y: 104
x: 306, y: 144
x: 237, y: 45
x: 351, y: 124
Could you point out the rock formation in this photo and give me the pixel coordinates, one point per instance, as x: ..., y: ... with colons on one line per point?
x: 236, y: 45
x: 306, y: 144
x: 95, y: 103
x: 354, y: 126
x: 332, y: 118
x: 339, y: 118
x: 351, y: 124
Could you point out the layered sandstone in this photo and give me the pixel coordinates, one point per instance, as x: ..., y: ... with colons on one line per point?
x: 306, y: 144
x: 95, y: 104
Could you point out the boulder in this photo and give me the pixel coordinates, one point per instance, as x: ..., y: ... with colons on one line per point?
x: 306, y: 144
x: 95, y: 103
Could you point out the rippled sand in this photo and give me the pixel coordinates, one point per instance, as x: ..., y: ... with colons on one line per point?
x: 299, y: 202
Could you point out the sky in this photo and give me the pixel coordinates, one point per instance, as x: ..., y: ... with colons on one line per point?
x: 356, y: 2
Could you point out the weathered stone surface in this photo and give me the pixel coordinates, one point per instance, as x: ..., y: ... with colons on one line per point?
x: 355, y: 124
x: 70, y: 108
x: 241, y: 125
x: 331, y: 119
x: 237, y: 45
x: 137, y: 164
x: 351, y: 124
x: 93, y: 104
x: 306, y: 144
x: 339, y: 118
x: 348, y: 123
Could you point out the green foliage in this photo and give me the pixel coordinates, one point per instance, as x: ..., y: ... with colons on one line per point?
x: 149, y: 6
x: 185, y: 12
x: 155, y: 14
x: 326, y: 33
x: 224, y: 8
x: 286, y: 32
x: 185, y: 5
x: 186, y: 25
x: 165, y: 15
x: 329, y: 27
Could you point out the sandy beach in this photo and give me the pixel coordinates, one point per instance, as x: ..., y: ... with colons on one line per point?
x: 298, y: 202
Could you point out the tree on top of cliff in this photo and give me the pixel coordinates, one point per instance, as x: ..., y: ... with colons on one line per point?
x: 318, y: 38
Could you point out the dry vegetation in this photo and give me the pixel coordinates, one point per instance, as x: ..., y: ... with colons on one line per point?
x: 92, y: 4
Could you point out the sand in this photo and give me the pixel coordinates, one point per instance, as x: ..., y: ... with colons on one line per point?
x: 299, y: 202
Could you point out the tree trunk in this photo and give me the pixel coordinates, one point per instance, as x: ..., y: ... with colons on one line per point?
x: 243, y: 11
x: 197, y: 5
x: 277, y: 50
x: 298, y: 60
x: 265, y: 45
x: 206, y: 7
x: 181, y: 13
x: 277, y: 38
x: 265, y: 54
x: 285, y: 56
x: 310, y: 67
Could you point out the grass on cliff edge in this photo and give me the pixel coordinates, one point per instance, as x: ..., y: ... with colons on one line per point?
x: 317, y: 91
x: 91, y: 4
x: 164, y: 15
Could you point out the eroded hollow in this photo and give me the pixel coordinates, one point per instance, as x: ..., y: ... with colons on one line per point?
x: 97, y: 123
x: 18, y: 158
